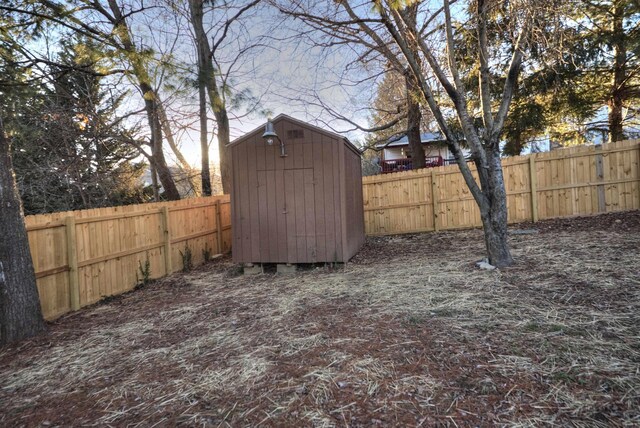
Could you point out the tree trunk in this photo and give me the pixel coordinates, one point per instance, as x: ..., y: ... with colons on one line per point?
x: 494, y: 214
x: 496, y: 242
x: 157, y: 154
x: 414, y: 118
x: 204, y: 143
x: 225, y: 153
x: 168, y: 133
x: 154, y: 182
x: 216, y: 99
x: 202, y: 46
x: 138, y: 64
x: 616, y: 99
x: 20, y: 312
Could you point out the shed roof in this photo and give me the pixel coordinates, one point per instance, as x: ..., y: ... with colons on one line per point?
x: 288, y: 118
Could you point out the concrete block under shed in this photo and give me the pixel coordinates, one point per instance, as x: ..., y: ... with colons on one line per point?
x: 251, y: 269
x: 286, y: 268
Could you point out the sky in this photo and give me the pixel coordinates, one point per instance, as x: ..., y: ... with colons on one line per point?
x: 285, y: 74
x: 290, y: 74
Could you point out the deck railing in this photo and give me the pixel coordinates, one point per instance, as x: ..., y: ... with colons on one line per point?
x: 405, y: 164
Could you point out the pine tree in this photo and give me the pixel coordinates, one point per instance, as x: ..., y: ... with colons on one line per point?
x: 71, y: 150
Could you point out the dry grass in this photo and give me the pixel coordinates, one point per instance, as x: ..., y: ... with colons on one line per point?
x: 409, y: 333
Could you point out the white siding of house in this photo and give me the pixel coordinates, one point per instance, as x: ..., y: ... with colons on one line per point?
x: 391, y: 153
x: 430, y: 151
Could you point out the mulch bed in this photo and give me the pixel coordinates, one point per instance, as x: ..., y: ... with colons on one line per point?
x: 409, y: 333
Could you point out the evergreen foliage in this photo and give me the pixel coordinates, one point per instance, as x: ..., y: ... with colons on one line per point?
x: 71, y: 150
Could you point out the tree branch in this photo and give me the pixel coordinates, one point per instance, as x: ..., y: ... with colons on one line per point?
x: 484, y: 75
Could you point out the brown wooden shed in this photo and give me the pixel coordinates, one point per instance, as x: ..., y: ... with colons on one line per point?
x: 305, y: 207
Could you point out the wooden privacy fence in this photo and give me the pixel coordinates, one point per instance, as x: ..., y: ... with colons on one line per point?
x: 567, y: 182
x: 81, y: 257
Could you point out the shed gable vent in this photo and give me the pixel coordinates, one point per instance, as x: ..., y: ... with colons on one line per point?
x: 295, y: 133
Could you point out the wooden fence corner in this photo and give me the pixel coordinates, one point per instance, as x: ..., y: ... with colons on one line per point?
x: 218, y: 227
x: 72, y: 262
x: 533, y: 187
x: 434, y: 199
x: 166, y: 238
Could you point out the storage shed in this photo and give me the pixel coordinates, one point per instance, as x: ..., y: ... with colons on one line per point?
x: 296, y: 198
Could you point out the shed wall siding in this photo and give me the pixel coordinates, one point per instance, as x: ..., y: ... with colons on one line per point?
x: 319, y: 200
x: 297, y: 209
x: 355, y: 213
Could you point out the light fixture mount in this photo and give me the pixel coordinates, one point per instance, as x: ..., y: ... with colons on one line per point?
x: 270, y: 134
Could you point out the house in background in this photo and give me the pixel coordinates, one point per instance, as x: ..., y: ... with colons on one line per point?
x: 396, y: 156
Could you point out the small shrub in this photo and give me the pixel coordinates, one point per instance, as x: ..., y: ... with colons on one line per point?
x: 414, y: 319
x: 206, y: 253
x: 532, y: 326
x: 187, y: 260
x: 143, y: 276
x: 234, y: 271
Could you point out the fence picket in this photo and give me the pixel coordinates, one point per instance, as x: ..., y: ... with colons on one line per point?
x: 83, y: 256
x: 166, y: 236
x: 575, y: 181
x: 434, y: 199
x: 72, y: 262
x: 533, y: 186
x: 567, y: 182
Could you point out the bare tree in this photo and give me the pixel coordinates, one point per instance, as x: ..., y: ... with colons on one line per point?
x: 212, y: 78
x: 203, y: 50
x: 414, y: 116
x: 117, y: 18
x: 384, y: 27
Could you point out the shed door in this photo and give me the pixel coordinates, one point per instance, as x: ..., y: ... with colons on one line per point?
x: 300, y: 215
x: 287, y: 216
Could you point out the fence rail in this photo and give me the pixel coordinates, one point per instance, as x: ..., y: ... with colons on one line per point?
x: 83, y: 256
x: 562, y: 183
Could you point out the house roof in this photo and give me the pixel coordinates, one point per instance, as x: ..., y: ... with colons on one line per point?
x: 283, y: 116
x: 425, y: 138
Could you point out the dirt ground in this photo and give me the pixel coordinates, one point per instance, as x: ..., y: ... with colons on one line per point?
x: 410, y: 333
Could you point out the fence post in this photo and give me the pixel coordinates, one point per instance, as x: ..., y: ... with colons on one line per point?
x: 434, y: 199
x: 533, y: 184
x: 167, y: 240
x: 218, y: 227
x: 72, y: 262
x: 602, y: 203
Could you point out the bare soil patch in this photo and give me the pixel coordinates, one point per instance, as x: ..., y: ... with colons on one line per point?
x: 409, y: 333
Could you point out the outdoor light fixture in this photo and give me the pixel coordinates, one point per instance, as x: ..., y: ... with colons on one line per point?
x: 270, y: 134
